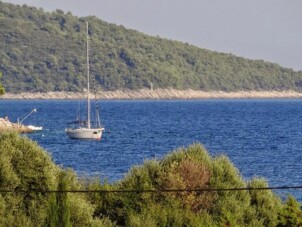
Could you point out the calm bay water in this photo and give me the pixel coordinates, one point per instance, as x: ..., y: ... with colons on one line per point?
x: 261, y: 137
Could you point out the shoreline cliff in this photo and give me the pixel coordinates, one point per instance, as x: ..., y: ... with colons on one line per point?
x: 157, y: 94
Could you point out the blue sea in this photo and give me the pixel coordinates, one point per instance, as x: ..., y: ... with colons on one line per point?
x: 262, y: 138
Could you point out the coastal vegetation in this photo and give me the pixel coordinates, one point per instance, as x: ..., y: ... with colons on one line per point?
x: 45, y: 51
x: 2, y: 90
x: 33, y: 192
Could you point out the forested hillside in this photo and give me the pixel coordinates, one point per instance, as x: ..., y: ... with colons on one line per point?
x: 42, y: 51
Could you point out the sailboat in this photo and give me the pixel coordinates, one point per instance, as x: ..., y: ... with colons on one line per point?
x: 84, y: 128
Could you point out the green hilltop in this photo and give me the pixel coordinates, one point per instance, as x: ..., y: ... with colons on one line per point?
x: 43, y: 51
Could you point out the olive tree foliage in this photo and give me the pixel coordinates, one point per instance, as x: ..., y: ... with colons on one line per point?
x: 291, y: 213
x: 187, y: 168
x: 24, y: 166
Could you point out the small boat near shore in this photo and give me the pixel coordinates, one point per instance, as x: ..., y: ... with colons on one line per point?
x: 7, y: 126
x: 32, y: 128
x: 35, y: 128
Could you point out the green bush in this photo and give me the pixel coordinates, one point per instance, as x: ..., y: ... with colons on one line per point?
x: 266, y: 203
x: 2, y: 90
x: 25, y: 166
x: 290, y: 215
x: 189, y: 168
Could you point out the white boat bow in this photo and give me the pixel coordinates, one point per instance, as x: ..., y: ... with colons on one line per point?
x: 35, y: 128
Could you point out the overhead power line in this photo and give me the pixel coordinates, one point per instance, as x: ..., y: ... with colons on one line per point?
x: 154, y: 190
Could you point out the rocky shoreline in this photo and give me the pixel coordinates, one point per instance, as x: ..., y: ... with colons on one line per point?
x: 7, y: 126
x: 157, y: 94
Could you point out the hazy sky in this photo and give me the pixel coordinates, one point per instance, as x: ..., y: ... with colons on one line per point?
x: 258, y: 29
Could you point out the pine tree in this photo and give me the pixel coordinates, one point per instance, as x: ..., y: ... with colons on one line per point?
x: 291, y: 214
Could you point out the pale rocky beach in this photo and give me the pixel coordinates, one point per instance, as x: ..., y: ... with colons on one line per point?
x: 157, y: 94
x: 6, y: 125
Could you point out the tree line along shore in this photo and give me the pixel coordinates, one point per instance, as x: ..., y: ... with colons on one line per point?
x: 157, y: 94
x: 46, y: 51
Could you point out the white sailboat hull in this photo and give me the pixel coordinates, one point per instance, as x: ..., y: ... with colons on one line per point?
x: 85, y: 133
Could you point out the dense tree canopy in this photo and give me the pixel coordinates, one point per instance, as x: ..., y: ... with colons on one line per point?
x: 43, y: 51
x: 26, y: 167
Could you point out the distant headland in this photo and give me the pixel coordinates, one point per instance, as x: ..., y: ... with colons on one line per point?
x: 157, y: 94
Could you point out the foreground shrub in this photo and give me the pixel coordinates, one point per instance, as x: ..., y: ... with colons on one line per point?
x: 190, y: 168
x: 25, y: 166
x: 265, y: 202
x: 290, y: 214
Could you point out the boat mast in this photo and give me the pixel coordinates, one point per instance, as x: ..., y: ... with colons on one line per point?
x: 88, y: 92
